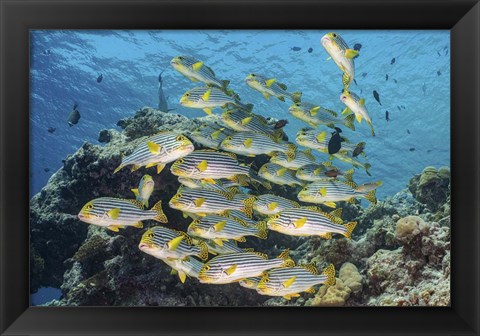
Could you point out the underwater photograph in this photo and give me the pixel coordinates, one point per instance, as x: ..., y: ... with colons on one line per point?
x: 240, y: 168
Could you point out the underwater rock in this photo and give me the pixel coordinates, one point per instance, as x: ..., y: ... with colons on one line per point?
x: 431, y: 187
x: 351, y: 277
x: 104, y: 136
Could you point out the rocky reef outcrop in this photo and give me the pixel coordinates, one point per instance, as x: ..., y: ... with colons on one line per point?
x: 399, y: 254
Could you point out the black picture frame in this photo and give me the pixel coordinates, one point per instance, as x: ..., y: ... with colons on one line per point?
x: 17, y: 17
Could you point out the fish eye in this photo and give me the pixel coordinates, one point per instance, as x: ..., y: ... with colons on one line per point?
x: 150, y: 235
x: 207, y: 267
x: 89, y: 206
x: 253, y: 75
x: 334, y: 35
x: 180, y: 57
x: 228, y: 138
x: 180, y: 138
x: 276, y: 216
x: 187, y: 94
x: 297, y: 104
x: 180, y: 160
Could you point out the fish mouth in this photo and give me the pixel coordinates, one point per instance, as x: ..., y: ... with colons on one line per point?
x: 325, y: 40
x: 83, y: 216
x: 183, y: 101
x: 143, y: 246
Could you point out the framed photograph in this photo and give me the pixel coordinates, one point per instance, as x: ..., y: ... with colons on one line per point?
x: 251, y: 168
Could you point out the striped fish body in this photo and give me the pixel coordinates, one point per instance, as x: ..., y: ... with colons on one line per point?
x: 357, y: 105
x: 271, y: 87
x: 197, y: 71
x: 204, y: 201
x: 241, y: 217
x: 210, y: 137
x: 302, y: 158
x: 250, y: 283
x: 218, y: 228
x: 306, y: 222
x: 349, y: 159
x: 188, y: 266
x: 158, y: 150
x: 269, y: 204
x: 289, y: 282
x: 228, y: 268
x: 330, y: 191
x: 311, y: 172
x: 144, y: 190
x: 319, y: 141
x: 279, y: 175
x: 164, y: 243
x: 208, y: 98
x: 253, y: 143
x: 115, y: 213
x: 341, y: 54
x: 208, y: 164
x: 196, y: 184
x: 315, y: 115
x: 244, y: 121
x: 228, y: 246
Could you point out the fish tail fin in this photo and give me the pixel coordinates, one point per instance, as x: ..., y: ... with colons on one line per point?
x: 118, y: 168
x: 296, y: 97
x: 287, y: 261
x: 349, y: 226
x: 329, y: 271
x: 249, y: 107
x: 145, y: 203
x: 346, y: 80
x: 225, y: 83
x: 350, y: 121
x: 370, y: 196
x: 291, y: 150
x: 262, y: 230
x: 248, y: 206
x: 367, y: 167
x: 203, y: 254
x: 371, y: 126
x: 160, y: 215
x: 349, y: 174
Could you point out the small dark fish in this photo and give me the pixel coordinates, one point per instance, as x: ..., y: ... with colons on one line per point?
x: 424, y: 89
x: 399, y: 108
x: 395, y: 80
x: 280, y: 123
x: 387, y: 118
x: 446, y: 51
x: 296, y: 48
x: 428, y: 151
x: 99, y: 78
x: 438, y: 52
x: 46, y: 52
x: 438, y: 73
x: 408, y: 131
x: 357, y: 46
x: 392, y: 61
x: 75, y: 105
x: 403, y: 107
x: 377, y: 96
x: 386, y: 77
x: 310, y: 50
x: 355, y: 81
x: 335, y: 142
x: 51, y: 129
x: 73, y: 118
x: 411, y: 149
x: 46, y: 170
x: 332, y: 173
x: 364, y: 74
x: 359, y: 149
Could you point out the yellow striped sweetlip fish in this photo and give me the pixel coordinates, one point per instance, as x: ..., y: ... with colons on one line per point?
x: 279, y: 175
x: 323, y: 171
x: 209, y: 165
x: 209, y: 136
x: 269, y: 204
x: 188, y: 266
x: 315, y: 115
x: 342, y: 55
x: 158, y: 150
x: 254, y: 143
x: 271, y: 87
x: 250, y: 283
x: 196, y: 70
x: 196, y: 184
x: 319, y: 140
x: 220, y: 228
x: 144, y: 190
x: 356, y: 105
x: 241, y: 217
x: 302, y: 158
x: 330, y: 191
x: 203, y: 201
x: 289, y: 282
x: 115, y: 213
x: 228, y: 268
x: 163, y: 243
x: 228, y: 246
x: 356, y: 163
x: 310, y: 221
x: 208, y: 98
x: 244, y: 121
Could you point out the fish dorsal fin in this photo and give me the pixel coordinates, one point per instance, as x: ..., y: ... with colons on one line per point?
x: 260, y: 254
x: 230, y: 270
x: 220, y: 225
x: 136, y: 203
x: 330, y: 217
x: 337, y: 213
x: 269, y: 82
x: 175, y: 242
x: 311, y: 268
x: 232, y: 155
x: 289, y: 282
x: 321, y: 136
x: 282, y: 86
x: 248, y: 142
x: 206, y: 95
x: 308, y: 154
x: 197, y: 66
x: 185, y: 236
x: 211, y: 70
x: 351, y: 184
x: 312, y: 207
x: 333, y: 113
x: 228, y: 195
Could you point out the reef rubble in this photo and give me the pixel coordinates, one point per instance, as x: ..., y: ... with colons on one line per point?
x: 399, y: 254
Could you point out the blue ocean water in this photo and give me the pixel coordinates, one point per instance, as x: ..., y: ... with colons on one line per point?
x: 65, y: 66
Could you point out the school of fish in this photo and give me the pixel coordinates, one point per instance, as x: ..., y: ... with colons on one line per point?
x: 228, y: 200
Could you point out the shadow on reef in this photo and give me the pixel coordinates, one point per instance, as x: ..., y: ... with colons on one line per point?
x: 399, y: 254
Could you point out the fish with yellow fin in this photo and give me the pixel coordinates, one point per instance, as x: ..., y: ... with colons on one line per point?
x: 207, y: 98
x: 342, y: 55
x: 356, y: 105
x: 144, y: 190
x: 271, y: 87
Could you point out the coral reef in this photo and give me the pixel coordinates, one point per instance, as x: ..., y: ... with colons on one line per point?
x: 399, y: 254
